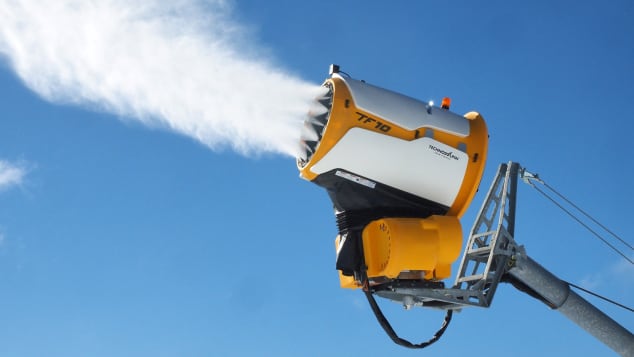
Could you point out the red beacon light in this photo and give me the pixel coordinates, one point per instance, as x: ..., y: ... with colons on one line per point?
x: 446, y: 103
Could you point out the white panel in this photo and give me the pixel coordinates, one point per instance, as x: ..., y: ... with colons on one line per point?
x: 404, y: 111
x: 424, y: 167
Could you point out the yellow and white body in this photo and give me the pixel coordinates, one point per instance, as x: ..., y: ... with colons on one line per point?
x: 400, y: 172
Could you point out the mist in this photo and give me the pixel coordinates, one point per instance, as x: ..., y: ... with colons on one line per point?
x: 185, y: 66
x: 11, y: 174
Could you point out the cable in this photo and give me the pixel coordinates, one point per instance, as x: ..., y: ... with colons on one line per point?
x: 392, y: 334
x: 587, y: 215
x: 600, y: 297
x: 584, y: 225
x: 385, y: 324
x: 529, y: 178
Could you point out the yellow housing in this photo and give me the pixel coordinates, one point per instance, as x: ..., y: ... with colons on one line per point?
x: 394, y: 245
x: 345, y: 114
x: 400, y: 173
x: 417, y: 248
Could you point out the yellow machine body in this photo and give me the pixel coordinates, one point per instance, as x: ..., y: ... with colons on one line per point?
x: 410, y: 248
x: 419, y: 153
x: 395, y: 245
x: 400, y: 173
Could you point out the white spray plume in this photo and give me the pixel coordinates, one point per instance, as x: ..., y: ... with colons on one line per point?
x: 184, y: 65
x: 11, y: 174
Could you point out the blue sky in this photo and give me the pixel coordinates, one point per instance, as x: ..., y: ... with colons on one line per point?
x: 162, y: 237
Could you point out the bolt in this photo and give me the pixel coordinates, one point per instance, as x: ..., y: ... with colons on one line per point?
x: 408, y: 302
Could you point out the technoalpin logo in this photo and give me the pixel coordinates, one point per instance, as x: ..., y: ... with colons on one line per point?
x: 443, y: 153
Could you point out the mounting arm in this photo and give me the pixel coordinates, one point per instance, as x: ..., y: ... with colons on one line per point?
x: 509, y: 262
x: 558, y: 295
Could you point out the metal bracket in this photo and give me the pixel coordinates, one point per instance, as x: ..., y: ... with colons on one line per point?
x: 529, y: 177
x: 489, y: 249
x: 487, y: 255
